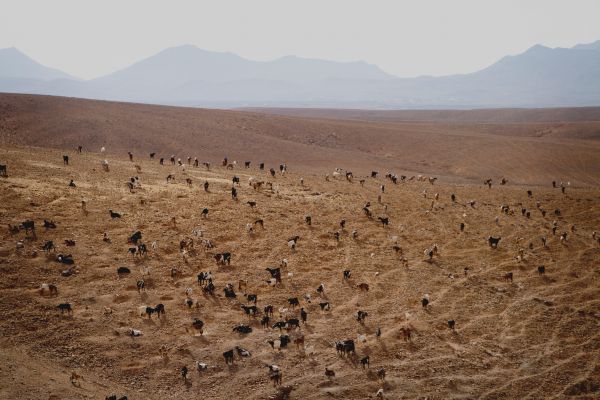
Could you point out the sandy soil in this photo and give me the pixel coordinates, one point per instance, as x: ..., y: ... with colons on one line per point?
x: 536, y: 337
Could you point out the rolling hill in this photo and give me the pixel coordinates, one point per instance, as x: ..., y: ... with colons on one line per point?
x: 459, y: 149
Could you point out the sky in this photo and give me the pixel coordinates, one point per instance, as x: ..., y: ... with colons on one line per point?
x: 91, y: 38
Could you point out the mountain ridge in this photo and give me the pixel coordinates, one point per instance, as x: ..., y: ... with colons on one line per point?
x: 187, y: 75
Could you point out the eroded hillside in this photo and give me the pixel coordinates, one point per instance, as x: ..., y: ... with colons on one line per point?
x: 534, y: 337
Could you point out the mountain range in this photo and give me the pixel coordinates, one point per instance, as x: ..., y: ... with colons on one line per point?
x: 187, y: 75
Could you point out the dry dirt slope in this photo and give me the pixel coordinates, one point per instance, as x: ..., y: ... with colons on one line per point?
x: 536, y: 337
x: 459, y: 149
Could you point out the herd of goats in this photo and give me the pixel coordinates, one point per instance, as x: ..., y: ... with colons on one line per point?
x: 288, y: 322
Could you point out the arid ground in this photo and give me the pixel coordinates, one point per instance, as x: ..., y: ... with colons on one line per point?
x: 534, y: 337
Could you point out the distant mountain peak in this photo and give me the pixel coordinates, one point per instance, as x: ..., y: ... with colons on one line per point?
x: 538, y: 48
x: 16, y: 64
x: 588, y: 46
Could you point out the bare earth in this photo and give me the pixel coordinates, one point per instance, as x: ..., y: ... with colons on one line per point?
x: 536, y: 337
x: 459, y: 147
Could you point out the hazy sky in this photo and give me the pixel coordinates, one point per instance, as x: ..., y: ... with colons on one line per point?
x: 89, y: 38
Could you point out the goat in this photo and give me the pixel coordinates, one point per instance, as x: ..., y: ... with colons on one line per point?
x: 50, y: 288
x: 200, y: 366
x: 361, y: 316
x: 204, y: 277
x: 114, y: 215
x: 364, y: 362
x: 299, y: 341
x: 385, y: 221
x: 346, y: 274
x: 3, y: 172
x: 431, y: 251
x: 563, y: 237
x: 242, y: 329
x: 264, y: 322
x: 303, y: 315
x: 293, y: 301
x: 345, y: 347
x: 242, y: 352
x: 175, y: 272
x: 210, y: 288
x: 150, y: 311
x: 278, y: 325
x: 308, y: 219
x: 363, y: 286
x: 493, y: 241
x: 135, y: 332
x: 223, y: 258
x: 252, y: 297
x: 65, y: 307
x: 159, y: 310
x: 49, y: 245
x: 508, y: 276
x: 321, y: 289
x: 425, y: 300
x: 229, y: 292
x: 198, y: 324
x: 280, y: 342
x: 28, y: 226
x: 135, y: 238
x: 68, y: 272
x: 123, y: 271
x: 204, y: 213
x: 65, y: 259
x: 541, y: 270
x: 406, y: 333
x: 451, y: 324
x: 228, y: 355
x: 292, y: 323
x: 329, y: 373
x: 250, y: 310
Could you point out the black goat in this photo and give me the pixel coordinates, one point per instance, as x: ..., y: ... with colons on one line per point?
x: 242, y: 329
x: 114, y: 215
x: 493, y: 241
